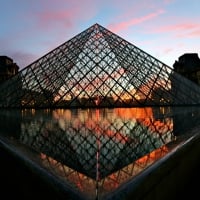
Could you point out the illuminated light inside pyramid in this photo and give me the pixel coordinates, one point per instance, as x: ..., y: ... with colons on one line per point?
x: 97, y: 68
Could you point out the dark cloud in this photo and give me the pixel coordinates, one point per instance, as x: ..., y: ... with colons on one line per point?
x: 22, y: 59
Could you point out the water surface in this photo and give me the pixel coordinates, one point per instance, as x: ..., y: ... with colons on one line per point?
x: 96, y: 151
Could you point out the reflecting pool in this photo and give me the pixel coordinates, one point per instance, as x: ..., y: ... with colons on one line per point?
x: 96, y: 151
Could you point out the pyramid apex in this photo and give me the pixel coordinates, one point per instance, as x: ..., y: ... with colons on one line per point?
x: 96, y: 25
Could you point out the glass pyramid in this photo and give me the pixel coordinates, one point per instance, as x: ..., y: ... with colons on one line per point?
x: 97, y: 68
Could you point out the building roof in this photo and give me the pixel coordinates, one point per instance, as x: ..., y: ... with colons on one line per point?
x: 189, y: 61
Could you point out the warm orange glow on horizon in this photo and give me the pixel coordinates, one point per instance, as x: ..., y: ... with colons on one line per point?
x: 100, y: 124
x: 145, y: 117
x: 134, y: 113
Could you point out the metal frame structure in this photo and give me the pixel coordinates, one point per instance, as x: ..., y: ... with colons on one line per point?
x: 97, y: 68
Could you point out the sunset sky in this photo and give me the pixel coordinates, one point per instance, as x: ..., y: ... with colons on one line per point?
x: 165, y: 29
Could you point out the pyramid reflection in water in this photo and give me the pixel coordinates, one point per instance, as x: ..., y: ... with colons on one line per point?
x: 106, y: 140
x: 97, y: 148
x: 97, y: 151
x: 97, y: 68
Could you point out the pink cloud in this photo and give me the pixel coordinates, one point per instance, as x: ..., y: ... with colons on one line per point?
x: 182, y: 30
x: 48, y: 19
x: 195, y: 33
x: 66, y: 13
x: 176, y: 27
x: 167, y: 50
x: 168, y: 1
x: 125, y: 25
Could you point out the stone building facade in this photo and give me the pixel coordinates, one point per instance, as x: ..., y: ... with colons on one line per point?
x: 7, y: 68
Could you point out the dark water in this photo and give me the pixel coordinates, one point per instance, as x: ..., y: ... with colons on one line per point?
x: 97, y: 150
